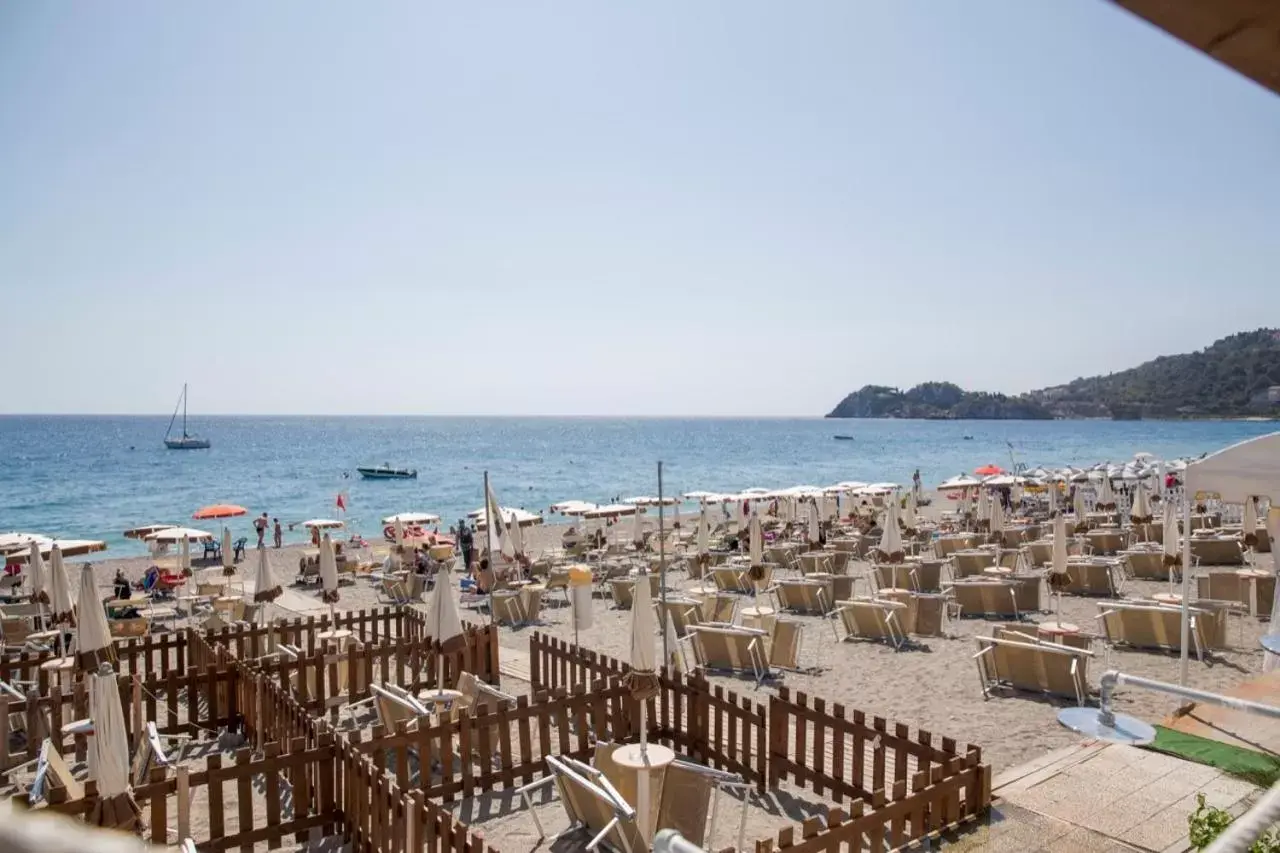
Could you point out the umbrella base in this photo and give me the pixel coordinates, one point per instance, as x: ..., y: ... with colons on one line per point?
x: 120, y: 812
x: 268, y: 595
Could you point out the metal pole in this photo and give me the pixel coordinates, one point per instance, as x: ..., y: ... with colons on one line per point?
x: 1113, y: 678
x: 1186, y: 586
x: 671, y: 841
x: 1244, y: 830
x: 488, y: 541
x: 662, y: 567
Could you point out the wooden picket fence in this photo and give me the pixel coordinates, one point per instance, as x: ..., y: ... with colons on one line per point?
x: 504, y: 749
x: 372, y: 626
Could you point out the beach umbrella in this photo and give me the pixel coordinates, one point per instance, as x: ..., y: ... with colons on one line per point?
x: 1058, y: 565
x: 60, y: 590
x: 184, y: 556
x: 989, y: 470
x: 909, y: 512
x: 399, y: 533
x: 996, y: 525
x: 444, y: 626
x: 93, y: 638
x: 1172, y: 554
x: 114, y: 807
x: 517, y: 539
x: 675, y: 516
x: 890, y: 548
x: 206, y: 513
x: 704, y: 533
x: 815, y: 528
x: 265, y: 587
x: 228, y: 553
x: 328, y: 572
x: 1082, y: 523
x: 642, y: 679
x: 1140, y: 512
x: 637, y: 528
x: 984, y: 505
x: 756, y: 541
x: 39, y: 576
x: 1106, y: 498
x: 1249, y: 524
x: 1053, y: 497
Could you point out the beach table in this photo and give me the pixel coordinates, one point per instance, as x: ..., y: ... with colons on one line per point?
x: 1174, y: 598
x: 1106, y: 540
x: 60, y: 672
x: 760, y: 618
x: 1056, y: 632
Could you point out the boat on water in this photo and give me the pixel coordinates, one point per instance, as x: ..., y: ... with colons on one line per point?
x: 386, y: 472
x: 187, y: 441
x: 844, y: 438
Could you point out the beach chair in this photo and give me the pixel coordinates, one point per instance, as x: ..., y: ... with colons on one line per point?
x: 986, y: 597
x: 683, y: 612
x: 1033, y: 666
x: 507, y: 607
x: 1151, y: 625
x: 801, y: 596
x: 731, y: 579
x: 873, y: 619
x: 730, y: 648
x: 1146, y: 564
x: 934, y: 612
x: 971, y: 562
x: 135, y: 627
x: 1217, y: 551
x: 1093, y: 577
x: 894, y: 575
x: 718, y: 607
x: 784, y: 644
x: 1039, y: 553
x: 593, y: 806
x: 926, y: 576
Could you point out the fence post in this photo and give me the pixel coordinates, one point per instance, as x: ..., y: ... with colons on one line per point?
x: 535, y: 661
x: 777, y: 737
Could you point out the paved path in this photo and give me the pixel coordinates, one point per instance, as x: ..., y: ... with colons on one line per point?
x: 1101, y: 797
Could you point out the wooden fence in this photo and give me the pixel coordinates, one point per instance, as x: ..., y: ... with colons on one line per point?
x: 943, y: 798
x: 502, y: 749
x: 827, y: 749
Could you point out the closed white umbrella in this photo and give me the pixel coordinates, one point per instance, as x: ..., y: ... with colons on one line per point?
x: 1082, y: 523
x: 704, y: 534
x: 997, y: 520
x: 675, y: 516
x: 984, y: 505
x: 444, y: 626
x: 60, y: 590
x: 39, y: 575
x: 517, y: 538
x: 265, y: 587
x: 1058, y: 566
x: 637, y: 528
x: 184, y: 555
x: 890, y: 548
x: 1053, y: 497
x: 399, y: 533
x: 815, y: 529
x: 1106, y: 498
x: 1172, y: 554
x: 909, y: 513
x: 93, y: 638
x: 755, y: 541
x: 115, y: 807
x: 228, y: 554
x: 642, y: 680
x: 1249, y: 524
x: 1140, y: 512
x: 328, y: 572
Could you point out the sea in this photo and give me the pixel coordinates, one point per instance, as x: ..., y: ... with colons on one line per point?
x: 94, y: 477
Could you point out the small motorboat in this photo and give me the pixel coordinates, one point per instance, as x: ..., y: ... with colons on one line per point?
x: 386, y: 472
x: 844, y: 438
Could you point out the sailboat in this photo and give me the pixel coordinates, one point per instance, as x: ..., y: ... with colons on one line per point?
x: 187, y: 442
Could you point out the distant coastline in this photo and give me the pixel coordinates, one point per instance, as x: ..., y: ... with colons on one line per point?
x: 1236, y: 378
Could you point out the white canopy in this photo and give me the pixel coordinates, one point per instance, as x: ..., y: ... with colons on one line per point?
x: 510, y: 515
x: 1004, y: 480
x: 326, y: 523
x: 402, y: 517
x: 173, y: 535
x: 21, y: 541
x: 142, y: 531
x: 68, y: 547
x: 960, y: 481
x: 611, y: 510
x: 645, y: 500
x: 572, y: 507
x: 1250, y: 468
x: 699, y: 495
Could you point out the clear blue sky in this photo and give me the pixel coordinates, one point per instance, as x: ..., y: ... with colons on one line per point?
x: 559, y: 208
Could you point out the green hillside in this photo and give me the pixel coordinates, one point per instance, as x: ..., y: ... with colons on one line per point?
x: 1238, y: 376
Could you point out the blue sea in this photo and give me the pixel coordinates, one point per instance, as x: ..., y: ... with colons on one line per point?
x: 93, y: 477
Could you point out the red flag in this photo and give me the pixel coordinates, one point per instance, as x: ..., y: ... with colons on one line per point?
x: 342, y: 504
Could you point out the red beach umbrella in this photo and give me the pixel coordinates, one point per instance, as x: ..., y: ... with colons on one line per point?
x: 219, y: 511
x: 988, y: 470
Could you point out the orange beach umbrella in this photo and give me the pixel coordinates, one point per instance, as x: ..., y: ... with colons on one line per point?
x: 988, y: 470
x: 219, y: 511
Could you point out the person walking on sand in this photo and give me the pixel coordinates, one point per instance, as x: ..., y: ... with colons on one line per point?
x: 278, y: 535
x: 915, y: 485
x: 260, y: 525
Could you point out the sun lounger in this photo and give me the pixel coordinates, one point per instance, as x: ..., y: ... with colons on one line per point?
x: 1106, y: 541
x: 1217, y: 551
x: 1092, y: 577
x: 801, y: 596
x: 1027, y: 591
x: 1146, y: 564
x: 731, y: 579
x: 717, y: 607
x: 986, y: 597
x: 1039, y: 553
x: 784, y: 644
x: 135, y: 627
x: 873, y: 619
x: 592, y: 805
x: 893, y: 575
x: 729, y: 648
x: 1144, y: 625
x: 933, y: 613
x: 682, y: 612
x: 945, y: 546
x: 971, y: 562
x: 1033, y: 666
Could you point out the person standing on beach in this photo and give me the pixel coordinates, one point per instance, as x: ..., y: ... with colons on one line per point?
x: 260, y: 525
x: 466, y: 543
x: 915, y: 485
x: 278, y: 533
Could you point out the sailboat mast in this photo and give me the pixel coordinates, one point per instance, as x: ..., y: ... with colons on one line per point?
x: 184, y: 410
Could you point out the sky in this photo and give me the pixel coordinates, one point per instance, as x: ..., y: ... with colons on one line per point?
x: 666, y: 208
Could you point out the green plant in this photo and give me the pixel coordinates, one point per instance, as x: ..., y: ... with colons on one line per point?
x: 1207, y: 822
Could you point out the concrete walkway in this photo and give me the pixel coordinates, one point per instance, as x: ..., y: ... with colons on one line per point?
x: 1101, y: 797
